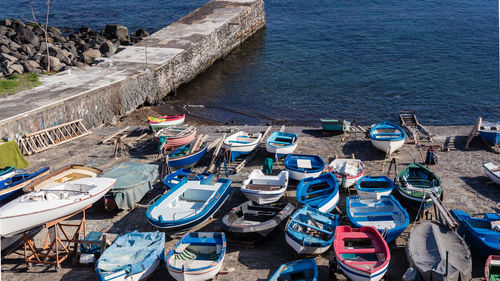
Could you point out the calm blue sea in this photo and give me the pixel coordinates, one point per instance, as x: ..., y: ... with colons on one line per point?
x: 337, y: 58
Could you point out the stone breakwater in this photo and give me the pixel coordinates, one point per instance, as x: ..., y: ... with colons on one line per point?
x: 23, y: 48
x: 140, y: 74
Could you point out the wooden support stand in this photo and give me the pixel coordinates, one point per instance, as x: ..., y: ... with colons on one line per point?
x: 57, y: 248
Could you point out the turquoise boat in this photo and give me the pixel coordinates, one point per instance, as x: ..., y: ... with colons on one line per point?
x: 335, y: 125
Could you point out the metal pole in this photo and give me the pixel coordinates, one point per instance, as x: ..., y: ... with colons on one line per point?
x: 446, y: 263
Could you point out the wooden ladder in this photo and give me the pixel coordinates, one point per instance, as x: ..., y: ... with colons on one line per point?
x: 50, y: 137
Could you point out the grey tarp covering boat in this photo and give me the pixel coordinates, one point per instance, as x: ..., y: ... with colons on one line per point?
x: 133, y: 180
x: 426, y: 251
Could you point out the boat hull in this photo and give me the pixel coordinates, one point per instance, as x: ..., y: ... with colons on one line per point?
x: 488, y: 167
x: 140, y: 276
x: 490, y: 137
x: 388, y: 147
x: 263, y: 198
x: 301, y: 175
x: 358, y: 275
x: 199, y: 275
x: 304, y: 250
x: 281, y: 151
x: 187, y: 161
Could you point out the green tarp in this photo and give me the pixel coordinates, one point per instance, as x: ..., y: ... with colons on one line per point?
x: 10, y: 155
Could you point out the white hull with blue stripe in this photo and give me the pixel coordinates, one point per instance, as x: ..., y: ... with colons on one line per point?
x: 264, y: 189
x: 242, y: 143
x: 123, y: 276
x: 387, y: 137
x: 357, y: 275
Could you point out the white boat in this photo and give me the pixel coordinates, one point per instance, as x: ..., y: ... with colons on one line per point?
x: 492, y: 171
x: 281, y: 143
x: 351, y: 169
x: 387, y: 137
x: 50, y: 203
x: 264, y: 189
x: 242, y: 143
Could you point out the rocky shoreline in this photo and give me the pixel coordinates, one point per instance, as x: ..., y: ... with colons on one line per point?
x: 23, y: 48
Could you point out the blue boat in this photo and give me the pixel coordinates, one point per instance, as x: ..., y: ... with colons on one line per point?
x: 301, y: 166
x: 132, y: 256
x: 306, y: 270
x: 185, y: 157
x: 374, y: 187
x: 490, y: 133
x: 321, y: 193
x: 482, y: 234
x: 310, y: 232
x: 281, y: 143
x: 14, y: 185
x: 174, y: 178
x: 7, y: 172
x: 188, y: 204
x: 387, y: 137
x: 385, y: 214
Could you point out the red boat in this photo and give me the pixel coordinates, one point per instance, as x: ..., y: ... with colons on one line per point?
x: 492, y: 268
x: 361, y: 253
x: 165, y: 121
x: 175, y: 136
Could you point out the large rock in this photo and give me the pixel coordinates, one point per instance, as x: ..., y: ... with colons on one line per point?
x: 84, y: 29
x: 55, y: 63
x: 56, y: 52
x: 17, y: 24
x: 54, y: 30
x: 28, y: 37
x: 31, y: 66
x: 27, y: 49
x: 90, y: 55
x: 115, y: 30
x: 14, y: 46
x: 43, y: 47
x: 19, y: 56
x: 6, y: 22
x: 4, y: 49
x: 108, y: 49
x: 141, y: 33
x: 3, y: 29
x: 6, y: 57
x: 17, y: 68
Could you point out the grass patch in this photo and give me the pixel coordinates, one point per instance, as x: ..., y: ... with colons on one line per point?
x: 16, y: 83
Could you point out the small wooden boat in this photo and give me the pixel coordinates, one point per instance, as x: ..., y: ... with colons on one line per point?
x: 50, y: 203
x: 281, y: 143
x: 321, y: 192
x: 242, y: 143
x: 347, y: 170
x: 174, y: 178
x: 157, y: 123
x: 198, y: 256
x: 264, y: 189
x: 490, y: 133
x: 387, y: 137
x: 6, y: 173
x: 374, y: 187
x: 174, y: 136
x: 414, y: 183
x: 301, y: 166
x: 187, y: 204
x: 482, y: 234
x: 252, y: 222
x: 335, y: 125
x: 361, y: 253
x: 309, y: 231
x: 67, y: 173
x: 15, y: 184
x: 492, y: 171
x: 305, y: 270
x: 492, y: 268
x: 431, y: 246
x: 134, y: 256
x: 385, y: 214
x: 187, y: 155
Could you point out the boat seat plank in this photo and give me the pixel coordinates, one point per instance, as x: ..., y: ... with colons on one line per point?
x: 318, y: 191
x: 386, y: 134
x: 234, y: 141
x: 312, y: 227
x: 374, y: 214
x: 360, y: 251
x: 279, y: 142
x: 263, y: 187
x: 357, y: 235
x: 202, y: 241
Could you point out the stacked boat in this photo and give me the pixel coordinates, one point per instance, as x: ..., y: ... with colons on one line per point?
x: 187, y: 155
x: 175, y: 136
x: 264, y: 189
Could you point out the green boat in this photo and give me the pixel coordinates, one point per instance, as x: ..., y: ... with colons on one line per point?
x: 492, y: 268
x: 335, y: 125
x: 414, y: 183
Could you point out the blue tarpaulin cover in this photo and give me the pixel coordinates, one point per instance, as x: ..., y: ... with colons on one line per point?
x: 133, y: 252
x: 133, y: 180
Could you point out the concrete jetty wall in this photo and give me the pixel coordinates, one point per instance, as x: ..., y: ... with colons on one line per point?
x: 117, y: 86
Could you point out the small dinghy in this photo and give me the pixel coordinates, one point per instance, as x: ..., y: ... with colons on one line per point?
x: 6, y: 173
x: 14, y: 185
x: 134, y: 256
x: 492, y: 268
x: 175, y: 136
x: 301, y: 166
x: 430, y: 245
x: 361, y: 253
x: 385, y: 214
x: 387, y: 137
x: 187, y: 204
x: 281, y: 143
x: 482, y: 234
x: 492, y: 171
x: 157, y: 123
x: 50, y: 203
x: 335, y: 125
x: 301, y: 270
x: 242, y: 143
x: 264, y: 189
x: 347, y: 170
x: 374, y: 187
x: 174, y: 178
x: 490, y: 133
x: 198, y: 256
x: 187, y: 155
x: 321, y: 192
x: 414, y: 183
x: 62, y: 175
x: 253, y: 222
x: 310, y: 232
